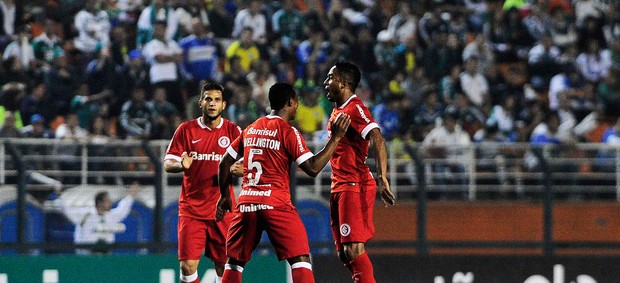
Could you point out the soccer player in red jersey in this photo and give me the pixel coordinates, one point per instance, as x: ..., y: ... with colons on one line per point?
x: 196, y: 150
x: 269, y: 146
x: 353, y: 186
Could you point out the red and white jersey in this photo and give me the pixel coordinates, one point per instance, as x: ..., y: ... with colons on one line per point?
x: 268, y: 146
x: 348, y: 161
x: 200, y: 190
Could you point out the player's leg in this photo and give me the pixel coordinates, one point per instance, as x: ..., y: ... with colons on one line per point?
x: 288, y: 236
x: 192, y: 238
x: 301, y: 269
x: 233, y: 271
x: 355, y: 211
x: 216, y: 244
x: 242, y: 238
x: 189, y: 271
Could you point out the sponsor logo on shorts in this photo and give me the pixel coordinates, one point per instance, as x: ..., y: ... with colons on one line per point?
x: 253, y: 207
x: 345, y: 229
x: 223, y: 142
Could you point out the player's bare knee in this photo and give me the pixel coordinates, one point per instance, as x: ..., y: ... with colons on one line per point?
x: 188, y: 267
x: 301, y: 258
x: 353, y: 250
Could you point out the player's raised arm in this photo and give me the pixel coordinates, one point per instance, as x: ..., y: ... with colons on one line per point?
x: 315, y: 164
x: 378, y: 145
x: 225, y: 202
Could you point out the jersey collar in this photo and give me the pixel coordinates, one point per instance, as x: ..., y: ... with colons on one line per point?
x: 204, y: 126
x: 273, y: 117
x: 347, y: 102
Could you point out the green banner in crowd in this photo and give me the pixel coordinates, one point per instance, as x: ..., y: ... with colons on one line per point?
x: 124, y: 269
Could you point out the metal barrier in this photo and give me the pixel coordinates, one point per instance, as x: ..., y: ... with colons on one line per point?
x: 483, y: 171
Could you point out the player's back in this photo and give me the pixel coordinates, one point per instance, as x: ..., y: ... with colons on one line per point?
x: 270, y: 145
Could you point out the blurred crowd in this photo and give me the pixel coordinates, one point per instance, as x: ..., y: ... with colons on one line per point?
x: 434, y: 72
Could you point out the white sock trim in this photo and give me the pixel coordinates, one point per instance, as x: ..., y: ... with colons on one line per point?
x: 233, y: 267
x: 302, y: 264
x: 189, y: 278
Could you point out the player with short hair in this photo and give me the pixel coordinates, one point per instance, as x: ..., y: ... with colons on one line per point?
x: 353, y: 186
x: 196, y: 150
x: 269, y: 146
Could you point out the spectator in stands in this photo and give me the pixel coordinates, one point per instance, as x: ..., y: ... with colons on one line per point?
x: 279, y: 58
x: 312, y: 50
x: 288, y: 22
x: 547, y: 132
x: 591, y: 30
x: 136, y: 116
x: 311, y: 118
x: 562, y: 30
x: 611, y: 29
x: 243, y: 109
x: 201, y: 54
x: 385, y: 53
x: 120, y: 46
x: 163, y: 54
x: 166, y: 116
x: 158, y: 11
x: 450, y: 84
x: 430, y: 23
x: 70, y: 132
x: 93, y: 27
x: 537, y: 22
x: 97, y: 225
x: 387, y: 115
x: 474, y: 84
x: 426, y: 113
x: 100, y: 72
x: 571, y: 84
x: 588, y: 9
x: 502, y: 116
x: 189, y: 11
x: 594, y: 63
x: 450, y: 142
x: 261, y: 79
x: 35, y: 102
x: 363, y: 54
x: 10, y: 19
x: 544, y: 58
x: 129, y: 11
x: 608, y: 93
x: 251, y: 17
x: 606, y: 158
x: 221, y: 17
x: 37, y: 128
x: 9, y: 129
x: 21, y: 48
x: 245, y: 49
x: 61, y: 83
x: 88, y: 105
x: 443, y: 53
x: 128, y: 77
x: 482, y: 49
x: 403, y: 25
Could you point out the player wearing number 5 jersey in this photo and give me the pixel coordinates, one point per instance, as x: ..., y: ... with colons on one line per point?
x: 196, y: 150
x: 269, y: 146
x: 353, y: 188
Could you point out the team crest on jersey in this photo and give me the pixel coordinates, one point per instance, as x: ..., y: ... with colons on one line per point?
x: 345, y: 229
x: 223, y: 142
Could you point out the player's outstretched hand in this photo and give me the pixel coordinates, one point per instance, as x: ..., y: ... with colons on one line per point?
x: 224, y: 204
x: 237, y: 169
x: 186, y: 160
x: 386, y: 194
x: 339, y: 127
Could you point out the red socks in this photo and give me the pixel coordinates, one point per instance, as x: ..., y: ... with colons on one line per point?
x: 362, y: 269
x: 232, y: 273
x: 302, y: 272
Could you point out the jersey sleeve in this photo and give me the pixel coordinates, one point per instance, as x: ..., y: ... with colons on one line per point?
x: 296, y: 146
x: 361, y: 119
x: 236, y: 148
x: 177, y: 145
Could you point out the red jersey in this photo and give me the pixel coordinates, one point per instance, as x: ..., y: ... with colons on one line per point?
x: 200, y: 190
x: 268, y: 146
x: 348, y: 161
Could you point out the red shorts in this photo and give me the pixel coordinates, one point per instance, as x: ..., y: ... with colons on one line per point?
x: 282, y: 224
x: 351, y: 215
x: 196, y: 236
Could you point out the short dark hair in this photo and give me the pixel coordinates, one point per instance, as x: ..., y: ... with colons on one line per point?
x: 349, y: 73
x: 100, y: 197
x: 211, y: 86
x: 279, y: 95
